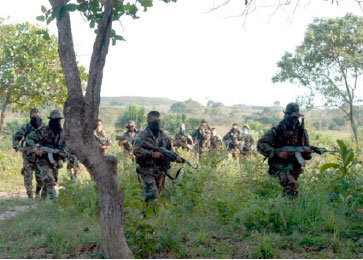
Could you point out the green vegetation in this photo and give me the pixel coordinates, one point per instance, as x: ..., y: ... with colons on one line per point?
x: 224, y: 210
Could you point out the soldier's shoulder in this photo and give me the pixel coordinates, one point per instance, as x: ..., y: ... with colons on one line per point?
x: 142, y: 134
x: 26, y: 127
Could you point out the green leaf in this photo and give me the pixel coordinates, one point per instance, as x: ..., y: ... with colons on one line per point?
x: 71, y: 7
x: 329, y: 165
x: 44, y: 10
x: 41, y: 18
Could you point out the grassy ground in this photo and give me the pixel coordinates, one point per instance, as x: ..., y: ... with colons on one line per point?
x: 224, y: 210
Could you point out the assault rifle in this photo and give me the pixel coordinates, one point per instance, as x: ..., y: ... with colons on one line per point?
x: 122, y: 138
x: 297, y: 150
x: 52, y: 151
x: 168, y: 156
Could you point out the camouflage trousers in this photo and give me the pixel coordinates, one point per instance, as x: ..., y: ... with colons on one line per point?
x: 49, y: 177
x: 153, y: 180
x: 27, y: 171
x: 234, y: 154
x: 288, y: 176
x: 73, y: 171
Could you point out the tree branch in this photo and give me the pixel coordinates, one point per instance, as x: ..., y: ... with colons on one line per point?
x: 67, y: 54
x: 100, y: 49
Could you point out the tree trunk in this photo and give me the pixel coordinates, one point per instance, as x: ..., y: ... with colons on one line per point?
x: 2, y: 119
x: 354, y: 127
x: 81, y: 114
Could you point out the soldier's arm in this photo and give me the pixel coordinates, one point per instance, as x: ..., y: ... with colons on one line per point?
x: 226, y: 137
x: 139, y: 151
x: 18, y: 136
x: 33, y: 138
x: 266, y: 144
x: 306, y: 156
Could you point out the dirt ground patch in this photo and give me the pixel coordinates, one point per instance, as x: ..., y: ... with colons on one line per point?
x: 12, y: 212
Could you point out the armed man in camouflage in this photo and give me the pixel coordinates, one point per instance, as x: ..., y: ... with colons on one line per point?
x: 201, y: 137
x: 216, y: 142
x: 151, y: 167
x: 49, y: 136
x: 29, y: 159
x: 232, y: 141
x: 284, y: 165
x: 129, y: 140
x: 246, y: 142
x: 102, y: 137
x: 183, y: 139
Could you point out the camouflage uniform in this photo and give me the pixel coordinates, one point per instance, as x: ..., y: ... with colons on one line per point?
x: 102, y: 138
x: 202, y: 138
x: 246, y: 145
x: 287, y: 170
x: 29, y: 161
x: 73, y: 168
x: 233, y: 142
x: 151, y: 170
x: 183, y: 140
x: 216, y: 142
x: 46, y: 137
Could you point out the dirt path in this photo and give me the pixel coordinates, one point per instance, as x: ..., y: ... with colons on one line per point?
x: 12, y: 211
x: 13, y: 194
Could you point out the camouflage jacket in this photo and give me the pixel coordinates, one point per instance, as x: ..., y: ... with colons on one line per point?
x: 102, y: 137
x: 216, y: 142
x: 144, y: 155
x: 278, y: 137
x: 46, y: 137
x: 201, y: 137
x: 232, y: 139
x: 20, y: 136
x: 130, y: 136
x: 247, y: 142
x: 183, y: 140
x: 19, y: 140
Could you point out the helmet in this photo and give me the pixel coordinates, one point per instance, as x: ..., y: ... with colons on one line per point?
x: 293, y: 110
x: 55, y: 114
x: 131, y: 123
x: 34, y: 110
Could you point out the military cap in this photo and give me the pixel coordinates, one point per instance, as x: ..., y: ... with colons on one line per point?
x: 131, y: 123
x: 246, y: 126
x: 55, y: 114
x: 293, y: 110
x: 34, y: 110
x: 182, y: 125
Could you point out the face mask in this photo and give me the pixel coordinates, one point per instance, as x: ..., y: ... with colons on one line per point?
x: 55, y: 125
x: 291, y: 121
x: 245, y: 131
x: 182, y: 131
x: 35, y: 121
x: 154, y: 127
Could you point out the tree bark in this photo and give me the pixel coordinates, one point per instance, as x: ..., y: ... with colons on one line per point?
x: 81, y: 114
x: 354, y: 127
x: 3, y: 110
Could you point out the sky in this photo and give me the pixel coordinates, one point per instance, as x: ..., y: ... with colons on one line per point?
x: 181, y: 50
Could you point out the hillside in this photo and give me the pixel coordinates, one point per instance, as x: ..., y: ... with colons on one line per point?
x: 150, y: 102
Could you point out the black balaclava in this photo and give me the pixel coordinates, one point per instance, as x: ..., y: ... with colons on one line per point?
x: 292, y: 122
x: 55, y: 125
x: 155, y: 127
x: 35, y: 122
